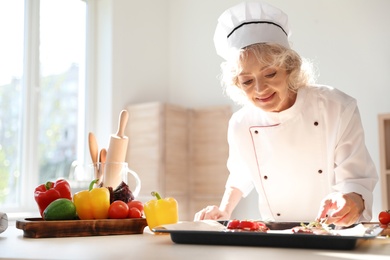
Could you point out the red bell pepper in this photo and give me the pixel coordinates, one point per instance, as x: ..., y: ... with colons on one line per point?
x: 50, y: 191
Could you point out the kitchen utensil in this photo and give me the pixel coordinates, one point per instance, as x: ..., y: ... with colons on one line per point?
x: 125, y: 174
x: 116, y: 152
x: 93, y: 150
x: 93, y: 147
x: 102, y: 160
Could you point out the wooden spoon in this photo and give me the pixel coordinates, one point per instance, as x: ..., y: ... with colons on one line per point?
x: 93, y: 150
x: 93, y: 147
x: 103, y: 154
x: 102, y: 161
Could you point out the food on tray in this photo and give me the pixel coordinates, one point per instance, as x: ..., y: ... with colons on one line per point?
x: 247, y: 225
x: 120, y: 210
x: 60, y: 209
x: 136, y: 204
x: 122, y: 192
x: 314, y: 227
x: 136, y: 209
x: 55, y: 201
x: 92, y: 203
x: 48, y: 192
x: 384, y: 217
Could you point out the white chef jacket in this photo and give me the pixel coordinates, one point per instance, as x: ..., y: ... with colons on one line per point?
x: 296, y: 157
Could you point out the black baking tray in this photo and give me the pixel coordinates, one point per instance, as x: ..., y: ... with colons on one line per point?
x: 259, y: 239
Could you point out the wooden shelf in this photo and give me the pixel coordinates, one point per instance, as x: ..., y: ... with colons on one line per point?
x: 384, y: 156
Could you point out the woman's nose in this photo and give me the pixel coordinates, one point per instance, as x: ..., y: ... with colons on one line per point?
x: 259, y: 86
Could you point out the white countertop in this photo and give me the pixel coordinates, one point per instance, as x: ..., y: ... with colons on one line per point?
x: 150, y: 246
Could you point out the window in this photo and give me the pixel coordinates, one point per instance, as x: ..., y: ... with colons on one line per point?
x: 41, y: 95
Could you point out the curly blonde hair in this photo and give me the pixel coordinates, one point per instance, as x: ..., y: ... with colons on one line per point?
x: 300, y: 71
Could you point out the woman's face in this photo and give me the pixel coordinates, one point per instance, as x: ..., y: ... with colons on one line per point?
x: 265, y: 86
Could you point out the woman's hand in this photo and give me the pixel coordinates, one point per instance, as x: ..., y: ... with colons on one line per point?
x: 341, y: 209
x: 230, y: 199
x: 211, y: 212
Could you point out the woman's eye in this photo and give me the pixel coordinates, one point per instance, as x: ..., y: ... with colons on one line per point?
x: 271, y: 75
x: 246, y: 82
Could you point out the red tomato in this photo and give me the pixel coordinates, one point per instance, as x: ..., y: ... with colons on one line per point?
x: 261, y: 224
x: 233, y: 224
x: 248, y: 225
x: 118, y: 209
x: 134, y: 213
x: 384, y: 217
x: 136, y: 204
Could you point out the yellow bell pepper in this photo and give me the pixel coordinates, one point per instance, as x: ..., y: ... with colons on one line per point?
x: 161, y: 211
x: 93, y: 203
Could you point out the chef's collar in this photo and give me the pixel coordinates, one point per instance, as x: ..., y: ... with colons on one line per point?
x: 275, y: 118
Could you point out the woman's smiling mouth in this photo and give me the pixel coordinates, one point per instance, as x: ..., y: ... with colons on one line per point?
x: 266, y: 99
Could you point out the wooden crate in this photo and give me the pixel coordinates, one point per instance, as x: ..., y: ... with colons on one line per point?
x: 384, y: 156
x: 208, y: 155
x: 158, y: 148
x: 144, y: 151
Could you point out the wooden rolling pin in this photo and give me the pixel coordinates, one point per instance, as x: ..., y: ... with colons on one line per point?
x: 116, y: 153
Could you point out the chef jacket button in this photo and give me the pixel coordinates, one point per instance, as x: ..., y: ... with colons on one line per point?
x: 256, y: 132
x: 320, y: 171
x: 265, y: 177
x: 316, y: 123
x: 278, y: 214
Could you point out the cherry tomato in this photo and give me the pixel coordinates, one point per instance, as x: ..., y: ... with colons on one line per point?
x: 137, y: 204
x: 118, y: 209
x: 261, y: 224
x: 384, y: 217
x: 134, y: 213
x: 248, y: 225
x: 233, y: 224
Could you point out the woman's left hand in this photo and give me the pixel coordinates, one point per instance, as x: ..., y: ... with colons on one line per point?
x: 341, y: 209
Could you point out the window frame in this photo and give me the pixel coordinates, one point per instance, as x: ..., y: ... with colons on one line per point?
x: 30, y: 100
x: 28, y: 141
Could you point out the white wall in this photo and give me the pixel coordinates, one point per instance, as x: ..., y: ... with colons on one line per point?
x: 131, y: 59
x: 162, y: 50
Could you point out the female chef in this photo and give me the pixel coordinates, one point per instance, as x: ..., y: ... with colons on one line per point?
x: 300, y: 145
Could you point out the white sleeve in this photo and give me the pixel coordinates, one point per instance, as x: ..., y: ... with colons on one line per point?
x: 354, y: 168
x: 239, y: 176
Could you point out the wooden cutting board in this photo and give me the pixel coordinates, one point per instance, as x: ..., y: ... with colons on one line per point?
x: 386, y: 231
x: 39, y: 228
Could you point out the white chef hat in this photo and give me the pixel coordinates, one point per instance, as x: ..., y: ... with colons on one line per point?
x: 249, y: 23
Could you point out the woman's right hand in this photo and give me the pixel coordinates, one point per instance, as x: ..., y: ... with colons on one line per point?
x: 211, y: 212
